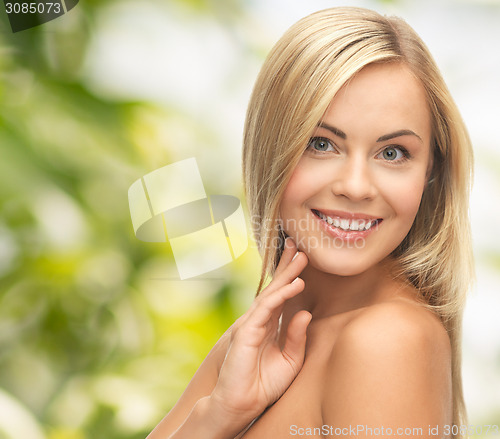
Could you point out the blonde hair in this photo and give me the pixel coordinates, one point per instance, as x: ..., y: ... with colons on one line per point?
x: 297, y: 83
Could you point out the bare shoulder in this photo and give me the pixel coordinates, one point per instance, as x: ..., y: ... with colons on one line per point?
x: 399, y: 326
x: 390, y: 364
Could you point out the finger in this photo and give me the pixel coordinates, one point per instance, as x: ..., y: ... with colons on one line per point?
x: 289, y: 273
x: 295, y: 343
x: 271, y: 305
x: 288, y: 253
x: 298, y: 262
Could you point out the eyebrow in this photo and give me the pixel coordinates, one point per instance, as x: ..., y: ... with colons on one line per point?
x: 383, y: 138
x: 336, y: 131
x: 398, y: 134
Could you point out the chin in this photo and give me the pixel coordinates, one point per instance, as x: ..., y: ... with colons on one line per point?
x: 341, y: 268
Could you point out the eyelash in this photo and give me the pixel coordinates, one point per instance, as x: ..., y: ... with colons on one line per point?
x: 405, y: 154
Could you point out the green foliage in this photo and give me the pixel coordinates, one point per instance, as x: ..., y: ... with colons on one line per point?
x: 91, y: 344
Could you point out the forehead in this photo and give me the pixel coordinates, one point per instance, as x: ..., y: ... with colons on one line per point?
x: 381, y: 98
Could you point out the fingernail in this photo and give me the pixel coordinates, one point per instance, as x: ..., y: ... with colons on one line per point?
x: 295, y: 255
x: 295, y: 280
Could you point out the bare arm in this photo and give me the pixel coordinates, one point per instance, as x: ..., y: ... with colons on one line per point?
x: 200, y: 387
x: 254, y: 373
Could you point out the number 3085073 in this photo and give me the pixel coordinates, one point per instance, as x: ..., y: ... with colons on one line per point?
x: 32, y: 8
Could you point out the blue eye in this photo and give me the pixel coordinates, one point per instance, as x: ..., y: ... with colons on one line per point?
x: 393, y: 154
x: 320, y: 144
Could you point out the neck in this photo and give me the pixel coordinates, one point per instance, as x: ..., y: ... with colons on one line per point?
x: 328, y: 294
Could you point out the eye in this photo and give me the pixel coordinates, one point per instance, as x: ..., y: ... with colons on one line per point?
x: 393, y: 154
x: 320, y: 144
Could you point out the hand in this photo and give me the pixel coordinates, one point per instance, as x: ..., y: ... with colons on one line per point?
x: 256, y: 372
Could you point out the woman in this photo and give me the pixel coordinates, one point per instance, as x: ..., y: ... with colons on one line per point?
x: 357, y: 170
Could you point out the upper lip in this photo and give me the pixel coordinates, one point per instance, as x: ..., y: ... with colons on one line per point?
x: 346, y: 215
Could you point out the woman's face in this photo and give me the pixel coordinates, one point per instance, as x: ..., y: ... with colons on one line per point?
x: 357, y: 188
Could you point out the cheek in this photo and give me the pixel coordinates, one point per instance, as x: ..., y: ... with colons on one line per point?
x: 405, y: 197
x: 301, y: 186
x: 290, y: 198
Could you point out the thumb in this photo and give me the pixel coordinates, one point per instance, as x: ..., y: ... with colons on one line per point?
x: 295, y: 344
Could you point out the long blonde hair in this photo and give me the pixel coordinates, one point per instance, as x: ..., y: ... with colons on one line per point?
x: 298, y: 80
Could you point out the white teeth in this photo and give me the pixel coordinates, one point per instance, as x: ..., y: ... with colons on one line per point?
x: 345, y: 224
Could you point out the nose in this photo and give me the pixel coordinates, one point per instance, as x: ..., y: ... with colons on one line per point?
x: 352, y: 179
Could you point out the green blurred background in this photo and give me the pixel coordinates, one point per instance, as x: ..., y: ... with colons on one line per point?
x: 98, y: 336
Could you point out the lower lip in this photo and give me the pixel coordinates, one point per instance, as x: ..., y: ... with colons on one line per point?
x: 346, y: 235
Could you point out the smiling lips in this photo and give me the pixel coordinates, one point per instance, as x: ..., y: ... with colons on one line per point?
x: 346, y: 223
